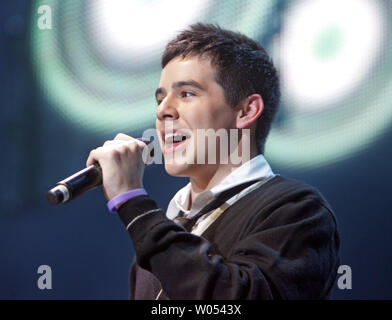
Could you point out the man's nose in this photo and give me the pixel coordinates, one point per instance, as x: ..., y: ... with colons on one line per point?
x: 167, y: 109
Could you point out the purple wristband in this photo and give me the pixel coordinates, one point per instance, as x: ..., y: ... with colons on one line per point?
x: 112, y: 204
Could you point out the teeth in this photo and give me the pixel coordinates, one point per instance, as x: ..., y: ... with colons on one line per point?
x: 175, y: 137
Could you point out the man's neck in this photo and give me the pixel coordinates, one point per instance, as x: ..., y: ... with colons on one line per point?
x: 209, y: 175
x: 207, y: 179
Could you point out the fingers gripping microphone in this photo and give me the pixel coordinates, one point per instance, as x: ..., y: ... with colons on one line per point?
x: 79, y: 183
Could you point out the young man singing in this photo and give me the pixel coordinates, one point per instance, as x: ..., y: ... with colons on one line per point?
x: 237, y: 230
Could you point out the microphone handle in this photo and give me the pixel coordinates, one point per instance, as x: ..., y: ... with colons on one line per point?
x: 79, y: 183
x: 74, y: 186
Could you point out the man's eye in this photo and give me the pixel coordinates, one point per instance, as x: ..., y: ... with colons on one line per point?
x: 159, y: 100
x: 186, y: 94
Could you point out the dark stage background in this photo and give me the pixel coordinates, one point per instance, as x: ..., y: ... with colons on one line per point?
x: 68, y: 88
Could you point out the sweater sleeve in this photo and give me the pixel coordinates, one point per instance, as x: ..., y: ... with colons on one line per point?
x: 291, y: 254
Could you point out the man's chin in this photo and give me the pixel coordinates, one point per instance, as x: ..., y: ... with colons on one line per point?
x: 178, y: 169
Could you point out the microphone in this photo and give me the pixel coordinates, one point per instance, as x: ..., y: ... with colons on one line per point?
x: 79, y: 183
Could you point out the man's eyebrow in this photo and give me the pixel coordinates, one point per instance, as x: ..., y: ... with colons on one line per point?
x: 179, y: 84
x: 191, y: 83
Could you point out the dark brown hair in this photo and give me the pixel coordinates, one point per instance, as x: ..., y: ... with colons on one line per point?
x: 242, y: 67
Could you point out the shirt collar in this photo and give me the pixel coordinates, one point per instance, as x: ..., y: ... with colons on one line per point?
x: 256, y: 168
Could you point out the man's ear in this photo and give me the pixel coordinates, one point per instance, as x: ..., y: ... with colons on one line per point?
x: 249, y: 111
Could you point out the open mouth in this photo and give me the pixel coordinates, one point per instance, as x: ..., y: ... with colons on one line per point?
x: 174, y: 140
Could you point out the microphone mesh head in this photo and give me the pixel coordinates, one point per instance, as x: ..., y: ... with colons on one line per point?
x: 55, y: 196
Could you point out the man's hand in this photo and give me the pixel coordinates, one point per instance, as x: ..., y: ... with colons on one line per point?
x: 121, y: 163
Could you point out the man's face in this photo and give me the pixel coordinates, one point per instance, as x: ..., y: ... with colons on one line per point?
x: 188, y: 99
